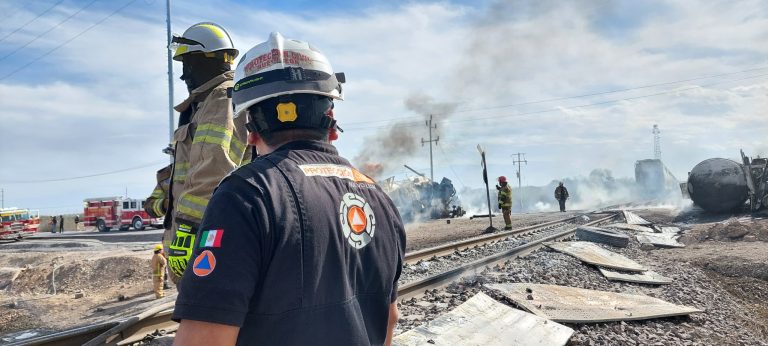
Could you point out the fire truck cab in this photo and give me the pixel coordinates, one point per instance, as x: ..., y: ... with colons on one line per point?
x: 104, y: 213
x: 17, y: 223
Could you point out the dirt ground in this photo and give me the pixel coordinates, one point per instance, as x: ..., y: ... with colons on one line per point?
x: 114, y: 280
x: 111, y: 281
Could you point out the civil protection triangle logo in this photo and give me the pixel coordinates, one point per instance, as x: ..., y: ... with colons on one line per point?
x: 358, y: 222
x: 204, y: 263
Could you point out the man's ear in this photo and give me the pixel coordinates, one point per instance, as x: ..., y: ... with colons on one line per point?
x: 254, y: 138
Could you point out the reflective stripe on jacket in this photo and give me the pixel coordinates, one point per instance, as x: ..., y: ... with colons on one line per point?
x: 157, y: 203
x: 505, y: 197
x: 158, y: 265
x: 208, y: 148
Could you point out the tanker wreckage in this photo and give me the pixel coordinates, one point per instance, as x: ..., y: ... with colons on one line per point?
x: 419, y: 197
x: 721, y: 185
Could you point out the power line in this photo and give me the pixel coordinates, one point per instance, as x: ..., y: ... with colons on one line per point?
x: 84, y: 176
x: 606, y: 102
x: 67, y: 41
x: 31, y: 20
x: 414, y: 124
x: 573, y: 97
x: 48, y: 31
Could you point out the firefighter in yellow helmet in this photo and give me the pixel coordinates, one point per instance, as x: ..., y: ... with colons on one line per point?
x: 505, y: 201
x: 158, y: 271
x: 208, y: 143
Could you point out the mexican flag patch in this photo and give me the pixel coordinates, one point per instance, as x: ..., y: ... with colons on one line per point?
x: 211, y: 238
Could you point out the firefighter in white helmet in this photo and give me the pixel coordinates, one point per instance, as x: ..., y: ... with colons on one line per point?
x: 208, y: 143
x: 298, y: 247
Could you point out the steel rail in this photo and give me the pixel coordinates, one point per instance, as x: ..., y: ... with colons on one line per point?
x: 133, y: 329
x: 417, y: 287
x: 447, y: 249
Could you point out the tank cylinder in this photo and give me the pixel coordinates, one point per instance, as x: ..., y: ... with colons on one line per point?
x: 718, y: 185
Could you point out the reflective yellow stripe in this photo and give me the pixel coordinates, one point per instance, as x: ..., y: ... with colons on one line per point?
x: 180, y: 171
x: 192, y: 205
x: 215, y: 134
x: 157, y: 193
x: 236, y: 151
x: 157, y: 206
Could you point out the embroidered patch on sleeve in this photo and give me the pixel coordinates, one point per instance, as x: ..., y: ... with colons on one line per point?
x: 211, y: 238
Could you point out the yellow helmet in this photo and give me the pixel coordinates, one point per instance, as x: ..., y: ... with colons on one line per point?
x: 203, y: 37
x: 158, y: 247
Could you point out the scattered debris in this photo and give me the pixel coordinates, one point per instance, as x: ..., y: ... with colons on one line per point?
x: 593, y: 254
x: 481, y: 320
x: 634, y: 219
x: 648, y: 277
x: 629, y: 227
x: 79, y: 295
x: 602, y: 235
x: 667, y: 240
x: 122, y: 297
x: 578, y: 305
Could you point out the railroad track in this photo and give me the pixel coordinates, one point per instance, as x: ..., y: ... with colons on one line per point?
x: 417, y: 287
x: 464, y: 244
x: 157, y: 319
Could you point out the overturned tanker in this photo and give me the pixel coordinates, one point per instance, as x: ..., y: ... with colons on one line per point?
x: 721, y: 185
x: 418, y: 198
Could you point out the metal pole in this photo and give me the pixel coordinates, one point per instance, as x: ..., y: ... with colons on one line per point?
x: 430, y: 141
x: 519, y: 178
x: 170, y: 73
x: 487, y: 191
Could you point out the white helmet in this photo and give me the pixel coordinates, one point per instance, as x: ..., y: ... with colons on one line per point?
x: 203, y: 37
x: 283, y: 66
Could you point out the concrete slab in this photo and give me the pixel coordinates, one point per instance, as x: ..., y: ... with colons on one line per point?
x: 668, y: 240
x: 647, y: 277
x: 593, y: 254
x: 481, y: 320
x: 634, y: 219
x: 578, y: 305
x: 628, y: 227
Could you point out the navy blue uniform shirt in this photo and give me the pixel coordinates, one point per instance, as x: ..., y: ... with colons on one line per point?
x: 296, y: 248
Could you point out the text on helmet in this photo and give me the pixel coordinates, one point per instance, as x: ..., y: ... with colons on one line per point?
x: 273, y: 57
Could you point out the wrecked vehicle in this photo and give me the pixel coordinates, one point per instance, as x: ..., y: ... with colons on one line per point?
x: 721, y: 185
x: 418, y: 197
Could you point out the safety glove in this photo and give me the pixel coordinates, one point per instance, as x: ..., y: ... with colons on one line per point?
x: 180, y: 249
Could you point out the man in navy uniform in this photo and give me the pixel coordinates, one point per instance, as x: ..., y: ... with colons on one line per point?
x: 298, y: 247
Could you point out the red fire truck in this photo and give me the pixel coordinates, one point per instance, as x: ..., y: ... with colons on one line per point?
x: 18, y: 223
x: 119, y: 212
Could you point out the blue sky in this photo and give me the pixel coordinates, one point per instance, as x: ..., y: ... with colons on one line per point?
x: 98, y: 103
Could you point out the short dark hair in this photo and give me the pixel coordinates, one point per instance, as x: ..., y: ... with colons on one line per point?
x: 277, y: 138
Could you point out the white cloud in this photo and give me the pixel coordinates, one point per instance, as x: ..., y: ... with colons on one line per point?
x: 103, y: 98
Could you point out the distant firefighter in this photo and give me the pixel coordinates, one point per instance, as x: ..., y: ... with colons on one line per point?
x: 158, y: 271
x: 561, y: 194
x: 505, y: 201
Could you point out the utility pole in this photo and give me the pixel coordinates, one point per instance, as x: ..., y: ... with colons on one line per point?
x: 656, y: 142
x: 170, y: 72
x: 430, y: 141
x: 519, y: 178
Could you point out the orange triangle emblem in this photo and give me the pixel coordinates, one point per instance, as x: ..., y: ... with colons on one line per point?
x: 357, y: 220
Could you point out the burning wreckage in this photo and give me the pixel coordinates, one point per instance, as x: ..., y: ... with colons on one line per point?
x: 419, y: 197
